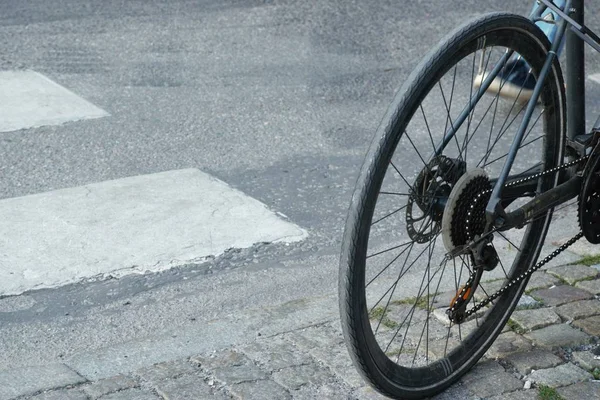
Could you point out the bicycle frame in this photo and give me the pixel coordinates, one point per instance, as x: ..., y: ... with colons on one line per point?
x: 577, y: 139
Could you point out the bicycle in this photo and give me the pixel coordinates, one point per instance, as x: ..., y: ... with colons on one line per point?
x: 445, y: 226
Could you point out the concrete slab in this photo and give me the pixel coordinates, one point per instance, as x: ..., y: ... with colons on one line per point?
x: 131, y: 225
x: 30, y: 99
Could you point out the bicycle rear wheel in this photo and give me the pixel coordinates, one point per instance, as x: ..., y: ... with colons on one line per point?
x: 395, y: 279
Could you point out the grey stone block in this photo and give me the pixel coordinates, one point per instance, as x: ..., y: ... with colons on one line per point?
x: 573, y: 273
x: 582, y: 390
x: 562, y: 375
x: 488, y: 378
x: 109, y: 385
x: 239, y: 373
x: 166, y: 370
x: 230, y: 367
x: 328, y: 391
x: 557, y: 295
x: 529, y: 320
x: 586, y: 359
x: 61, y: 394
x: 579, y: 309
x: 131, y: 394
x: 315, y: 337
x: 589, y: 325
x: 527, y: 302
x: 529, y: 394
x: 326, y: 344
x: 276, y: 353
x: 590, y: 286
x: 220, y: 359
x: 558, y: 335
x: 537, y: 359
x: 266, y: 389
x: 23, y: 381
x: 507, y: 343
x: 368, y: 393
x: 294, y: 377
x: 456, y: 391
x: 187, y: 387
x: 541, y: 280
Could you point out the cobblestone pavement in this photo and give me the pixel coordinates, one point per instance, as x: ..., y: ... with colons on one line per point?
x: 550, y: 340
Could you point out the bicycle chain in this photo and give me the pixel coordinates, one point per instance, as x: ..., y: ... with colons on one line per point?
x: 525, y: 274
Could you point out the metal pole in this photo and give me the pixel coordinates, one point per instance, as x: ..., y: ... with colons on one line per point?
x: 575, y: 75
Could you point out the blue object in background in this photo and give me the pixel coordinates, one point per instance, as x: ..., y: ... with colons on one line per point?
x: 550, y: 28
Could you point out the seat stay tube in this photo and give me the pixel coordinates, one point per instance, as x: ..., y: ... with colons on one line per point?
x: 576, y: 72
x: 494, y: 207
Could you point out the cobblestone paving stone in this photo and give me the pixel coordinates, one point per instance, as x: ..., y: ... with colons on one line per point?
x: 275, y: 354
x: 581, y: 390
x: 572, y: 274
x: 110, y: 385
x: 537, y: 359
x: 62, y: 394
x: 591, y: 286
x: 528, y: 320
x: 368, y: 393
x: 579, y: 309
x: 518, y: 395
x: 508, y: 343
x: 558, y: 335
x: 166, y: 370
x: 527, y: 302
x: 327, y: 391
x: 262, y: 389
x: 541, y: 280
x: 586, y: 360
x: 187, y: 386
x: 297, y: 376
x: 231, y: 367
x: 458, y: 391
x: 589, y: 325
x: 132, y: 394
x: 557, y: 295
x: 562, y: 375
x: 313, y: 363
x: 488, y: 378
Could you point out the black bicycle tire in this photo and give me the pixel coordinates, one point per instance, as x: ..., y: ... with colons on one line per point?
x: 351, y: 288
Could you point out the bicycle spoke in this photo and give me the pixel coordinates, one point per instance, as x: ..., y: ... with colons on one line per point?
x: 389, y: 214
x: 495, y: 101
x: 450, y: 119
x: 505, y: 155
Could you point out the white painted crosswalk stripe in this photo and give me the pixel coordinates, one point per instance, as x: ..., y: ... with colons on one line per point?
x: 29, y: 99
x: 131, y: 225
